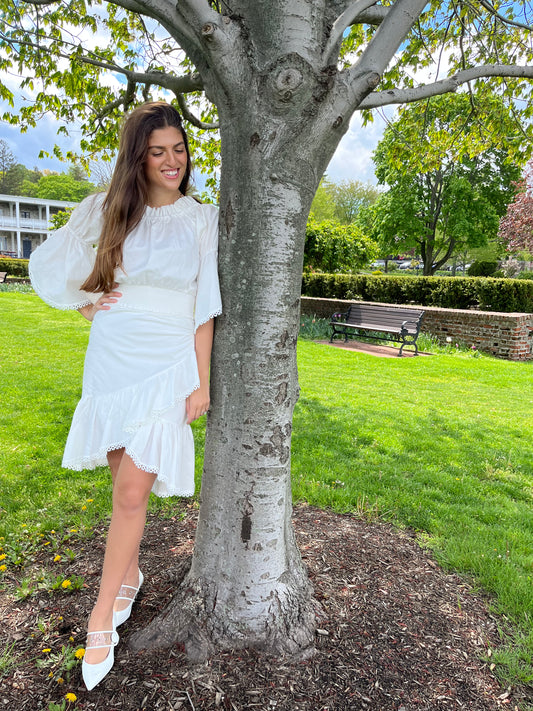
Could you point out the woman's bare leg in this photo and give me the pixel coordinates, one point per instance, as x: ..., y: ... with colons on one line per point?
x: 131, y: 490
x: 114, y: 457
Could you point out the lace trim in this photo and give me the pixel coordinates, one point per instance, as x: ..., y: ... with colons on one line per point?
x: 51, y: 302
x: 90, y: 462
x: 205, y: 319
x: 41, y: 292
x: 160, y: 479
x: 156, y: 416
x: 100, y: 640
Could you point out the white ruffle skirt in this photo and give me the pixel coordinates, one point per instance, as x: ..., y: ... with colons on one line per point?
x: 139, y: 369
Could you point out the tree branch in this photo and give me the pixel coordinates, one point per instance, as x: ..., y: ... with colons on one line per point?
x: 504, y: 19
x: 364, y: 75
x: 198, y: 10
x: 348, y: 18
x: 444, y: 86
x: 178, y: 85
x: 191, y: 118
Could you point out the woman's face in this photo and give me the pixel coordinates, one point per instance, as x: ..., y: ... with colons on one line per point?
x: 165, y: 166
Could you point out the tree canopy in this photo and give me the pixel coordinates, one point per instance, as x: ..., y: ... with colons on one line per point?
x: 90, y: 62
x: 58, y: 187
x: 449, y: 182
x: 333, y: 247
x: 342, y: 201
x: 17, y: 179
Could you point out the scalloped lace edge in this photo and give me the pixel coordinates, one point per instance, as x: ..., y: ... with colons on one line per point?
x: 91, y: 463
x: 205, y: 319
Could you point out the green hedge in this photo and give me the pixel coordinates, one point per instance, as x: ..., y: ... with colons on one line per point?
x: 14, y: 267
x: 448, y: 292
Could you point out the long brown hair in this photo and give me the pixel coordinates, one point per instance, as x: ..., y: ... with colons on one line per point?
x: 127, y: 196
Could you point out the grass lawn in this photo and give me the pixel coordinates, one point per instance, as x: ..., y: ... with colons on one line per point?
x: 440, y: 444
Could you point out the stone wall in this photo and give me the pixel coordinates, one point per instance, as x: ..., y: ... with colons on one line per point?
x: 504, y: 335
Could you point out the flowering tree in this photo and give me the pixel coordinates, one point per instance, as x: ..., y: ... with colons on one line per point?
x: 285, y: 77
x: 516, y: 227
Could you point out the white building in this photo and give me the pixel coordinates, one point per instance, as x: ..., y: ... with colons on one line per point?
x: 25, y: 223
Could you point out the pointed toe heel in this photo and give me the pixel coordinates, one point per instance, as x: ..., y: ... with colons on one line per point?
x: 94, y: 673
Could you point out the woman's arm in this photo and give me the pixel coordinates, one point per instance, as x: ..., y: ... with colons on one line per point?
x: 197, y: 403
x: 89, y: 310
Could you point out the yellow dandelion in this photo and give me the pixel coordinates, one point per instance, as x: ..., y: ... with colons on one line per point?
x: 70, y: 697
x: 57, y: 558
x: 73, y: 530
x: 3, y: 567
x: 47, y: 543
x: 66, y: 584
x: 84, y: 508
x: 24, y: 525
x: 60, y: 680
x: 3, y: 556
x: 60, y: 618
x: 52, y: 531
x: 89, y: 501
x: 50, y: 675
x: 79, y: 653
x: 71, y: 639
x: 45, y: 651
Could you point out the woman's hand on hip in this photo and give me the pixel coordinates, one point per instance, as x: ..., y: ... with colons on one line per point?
x: 102, y: 304
x: 197, y: 404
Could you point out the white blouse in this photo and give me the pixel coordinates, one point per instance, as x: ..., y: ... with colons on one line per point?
x: 173, y: 248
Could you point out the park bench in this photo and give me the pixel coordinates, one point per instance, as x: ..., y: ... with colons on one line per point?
x: 379, y: 322
x: 3, y: 277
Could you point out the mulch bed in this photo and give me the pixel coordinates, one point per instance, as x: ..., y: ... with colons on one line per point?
x: 399, y: 633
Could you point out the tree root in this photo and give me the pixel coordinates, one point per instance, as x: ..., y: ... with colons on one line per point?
x: 193, y: 619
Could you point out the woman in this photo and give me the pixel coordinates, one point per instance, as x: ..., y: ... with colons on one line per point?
x: 151, y: 291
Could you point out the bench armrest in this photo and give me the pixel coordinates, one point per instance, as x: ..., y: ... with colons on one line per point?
x: 413, y: 321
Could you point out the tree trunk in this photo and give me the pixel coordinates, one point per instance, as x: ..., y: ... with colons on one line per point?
x: 247, y: 585
x: 282, y: 114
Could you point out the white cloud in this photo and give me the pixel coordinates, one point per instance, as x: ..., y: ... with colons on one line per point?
x: 353, y: 157
x: 27, y: 146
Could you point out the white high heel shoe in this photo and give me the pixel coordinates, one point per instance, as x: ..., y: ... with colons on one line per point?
x: 94, y: 673
x: 126, y: 592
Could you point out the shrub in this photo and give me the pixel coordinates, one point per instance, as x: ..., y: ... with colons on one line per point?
x: 14, y: 267
x: 482, y: 269
x: 505, y: 295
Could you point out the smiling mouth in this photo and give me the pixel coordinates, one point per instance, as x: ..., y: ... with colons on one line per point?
x: 171, y: 173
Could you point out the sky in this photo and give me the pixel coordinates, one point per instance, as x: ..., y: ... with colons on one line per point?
x: 352, y: 160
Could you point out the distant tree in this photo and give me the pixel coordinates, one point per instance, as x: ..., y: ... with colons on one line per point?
x: 17, y: 176
x: 7, y: 161
x: 101, y: 172
x: 342, y: 201
x: 62, y: 187
x: 448, y: 184
x: 332, y: 247
x: 323, y: 206
x: 516, y: 227
x: 76, y: 172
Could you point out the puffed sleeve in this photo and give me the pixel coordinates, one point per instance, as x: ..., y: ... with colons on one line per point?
x: 63, y: 262
x: 208, y: 301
